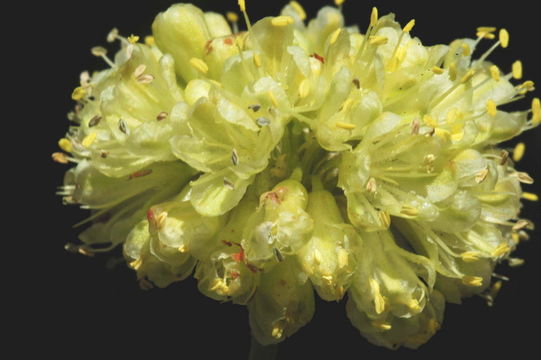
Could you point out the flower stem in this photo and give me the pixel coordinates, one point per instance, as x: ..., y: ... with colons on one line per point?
x: 261, y: 352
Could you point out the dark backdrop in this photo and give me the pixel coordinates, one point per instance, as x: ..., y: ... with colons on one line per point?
x: 80, y: 307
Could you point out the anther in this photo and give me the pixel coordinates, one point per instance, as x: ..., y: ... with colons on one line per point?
x: 139, y: 70
x: 132, y: 39
x: 228, y: 184
x: 494, y: 73
x: 139, y: 174
x: 113, y: 35
x: 60, y: 157
x: 518, y: 151
x: 89, y: 139
x: 282, y: 21
x: 78, y: 93
x: 122, y: 126
x: 145, y: 79
x: 536, y: 111
x: 409, y: 211
x: 504, y: 38
x: 378, y: 40
x: 65, y: 145
x: 437, y: 70
x: 94, y: 121
x: 345, y: 126
x: 374, y: 17
x: 334, y: 36
x: 298, y: 9
x: 501, y: 250
x: 371, y: 185
x: 524, y: 178
x: 409, y: 26
x: 304, y: 88
x: 98, y: 51
x: 475, y: 281
x: 263, y: 121
x: 199, y: 65
x: 491, y: 107
x: 481, y: 176
x: 470, y: 256
x: 530, y: 196
x: 257, y: 60
x: 232, y: 16
x: 162, y: 116
x: 255, y: 108
x: 149, y: 40
x: 234, y: 157
x: 467, y: 76
x: 357, y: 83
x: 517, y: 70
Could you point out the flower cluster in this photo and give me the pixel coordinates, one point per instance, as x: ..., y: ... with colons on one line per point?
x: 295, y: 157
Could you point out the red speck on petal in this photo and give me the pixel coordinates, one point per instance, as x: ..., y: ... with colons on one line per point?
x: 228, y: 41
x: 140, y: 173
x: 150, y: 216
x: 238, y: 257
x: 234, y: 275
x: 318, y: 57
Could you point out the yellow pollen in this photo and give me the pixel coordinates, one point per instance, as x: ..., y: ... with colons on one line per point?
x: 282, y: 21
x: 409, y: 26
x: 374, y: 16
x: 472, y: 281
x: 486, y: 29
x: 199, y: 65
x: 536, y: 111
x: 65, y: 145
x: 466, y: 50
x: 492, y: 110
x: 304, y: 88
x: 232, y: 16
x: 149, y: 40
x: 89, y: 139
x: 502, y: 249
x: 485, y: 35
x: 470, y: 256
x: 257, y: 60
x: 442, y: 133
x: 345, y: 126
x: 409, y: 210
x: 242, y: 5
x: 339, y: 2
x: 517, y: 70
x: 495, y: 73
x: 136, y: 264
x: 452, y: 72
x: 437, y: 70
x: 132, y: 39
x: 381, y: 325
x: 530, y: 196
x: 518, y: 152
x: 378, y: 40
x: 78, y: 93
x: 334, y: 36
x: 277, y: 331
x: 467, y: 76
x: 504, y: 38
x: 298, y: 9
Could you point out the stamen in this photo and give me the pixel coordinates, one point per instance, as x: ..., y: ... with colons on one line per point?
x: 486, y: 29
x: 501, y: 250
x: 60, y: 157
x: 521, y: 224
x: 452, y: 72
x: 467, y: 76
x: 145, y: 79
x: 475, y: 281
x: 485, y: 35
x: 374, y: 17
x: 515, y: 262
x: 149, y: 40
x: 65, y: 145
x: 232, y: 16
x: 334, y: 36
x: 89, y: 139
x: 409, y: 26
x: 530, y: 196
x: 339, y: 2
x: 381, y: 325
x: 280, y: 21
x: 304, y: 88
x: 257, y: 60
x: 470, y: 256
x: 298, y: 9
x: 481, y: 176
x: 162, y: 116
x: 94, y: 121
x: 491, y: 108
x: 371, y: 185
x: 504, y: 38
x: 78, y: 93
x: 409, y: 211
x: 229, y: 184
x: 517, y: 70
x: 139, y: 70
x: 113, y: 35
x: 495, y: 73
x: 200, y: 65
x: 518, y: 151
x: 234, y: 157
x: 132, y: 39
x: 504, y: 156
x: 437, y: 70
x: 378, y: 40
x: 242, y: 6
x: 524, y: 177
x: 100, y: 51
x: 345, y: 126
x: 385, y: 219
x: 536, y: 111
x: 122, y: 126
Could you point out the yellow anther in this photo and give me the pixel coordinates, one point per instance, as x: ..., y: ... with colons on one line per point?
x: 242, y: 5
x: 492, y: 109
x: 339, y: 2
x: 199, y: 65
x: 466, y: 50
x: 429, y: 120
x: 495, y: 289
x: 98, y: 51
x: 530, y: 196
x: 409, y: 210
x: 452, y: 72
x: 409, y: 26
x: 495, y: 73
x: 60, y: 157
x: 536, y: 111
x: 470, y: 256
x: 381, y: 325
x: 277, y: 331
x: 414, y: 305
x: 457, y: 136
x: 379, y: 301
x: 371, y: 185
x: 486, y: 29
x: 518, y: 152
x: 149, y: 40
x: 257, y: 60
x: 385, y: 219
x: 515, y: 237
x: 132, y: 39
x: 317, y: 257
x: 298, y: 9
x: 472, y: 281
x: 485, y: 35
x: 232, y: 16
x: 65, y: 145
x: 437, y: 70
x: 343, y: 258
x: 334, y: 36
x: 136, y: 264
x: 78, y: 93
x: 374, y: 16
x: 282, y: 20
x: 481, y: 176
x: 182, y: 249
x: 467, y: 76
x: 304, y: 88
x: 273, y: 99
x: 345, y: 126
x: 89, y: 139
x: 443, y: 134
x: 504, y: 38
x: 517, y: 70
x: 378, y: 40
x: 502, y: 249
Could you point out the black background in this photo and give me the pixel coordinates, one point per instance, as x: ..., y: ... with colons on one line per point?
x: 69, y: 305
